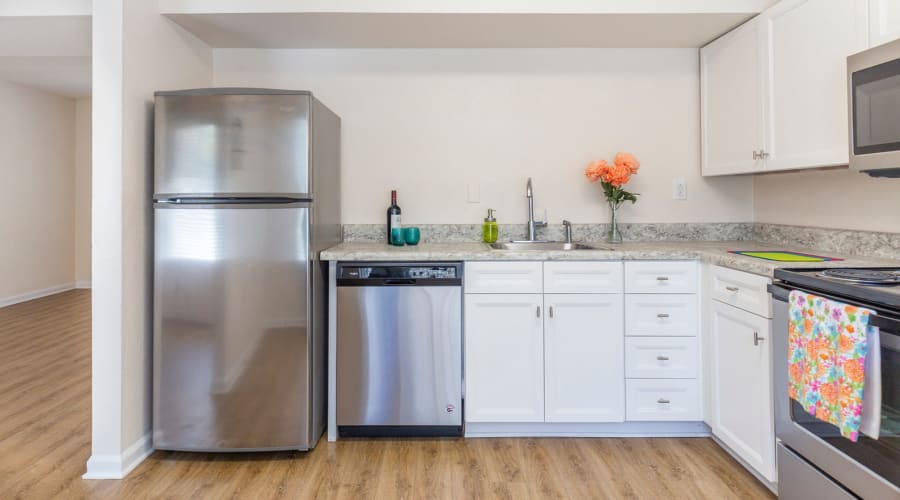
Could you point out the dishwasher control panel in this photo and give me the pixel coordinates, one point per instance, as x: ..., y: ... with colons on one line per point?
x: 430, y: 272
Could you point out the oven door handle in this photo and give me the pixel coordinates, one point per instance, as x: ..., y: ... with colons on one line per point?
x: 886, y: 324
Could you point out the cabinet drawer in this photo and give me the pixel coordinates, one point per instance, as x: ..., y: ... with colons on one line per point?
x: 504, y: 277
x: 661, y: 277
x: 657, y: 315
x: 661, y: 399
x: 661, y: 357
x: 742, y: 290
x: 582, y: 277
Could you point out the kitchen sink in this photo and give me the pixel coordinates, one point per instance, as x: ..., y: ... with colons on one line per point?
x: 543, y: 245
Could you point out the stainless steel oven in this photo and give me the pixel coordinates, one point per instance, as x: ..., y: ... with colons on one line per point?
x: 873, y: 83
x: 814, y: 461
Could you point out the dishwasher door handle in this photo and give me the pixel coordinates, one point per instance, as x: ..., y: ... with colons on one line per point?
x: 399, y: 281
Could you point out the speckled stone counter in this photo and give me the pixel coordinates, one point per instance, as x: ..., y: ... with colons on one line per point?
x: 715, y: 252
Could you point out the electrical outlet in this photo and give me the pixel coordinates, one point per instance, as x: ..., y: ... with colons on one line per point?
x: 679, y: 189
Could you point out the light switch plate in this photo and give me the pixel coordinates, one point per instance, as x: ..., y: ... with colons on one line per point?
x: 679, y: 189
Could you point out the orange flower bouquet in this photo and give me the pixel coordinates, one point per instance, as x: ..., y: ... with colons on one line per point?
x: 612, y: 178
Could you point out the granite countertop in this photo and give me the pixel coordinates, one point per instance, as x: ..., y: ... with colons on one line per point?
x: 714, y: 252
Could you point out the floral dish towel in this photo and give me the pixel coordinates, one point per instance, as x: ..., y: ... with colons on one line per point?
x: 826, y: 359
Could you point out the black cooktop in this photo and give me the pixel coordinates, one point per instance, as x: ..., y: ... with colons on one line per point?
x: 878, y: 286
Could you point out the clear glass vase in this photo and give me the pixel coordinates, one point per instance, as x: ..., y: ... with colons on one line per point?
x: 613, y: 235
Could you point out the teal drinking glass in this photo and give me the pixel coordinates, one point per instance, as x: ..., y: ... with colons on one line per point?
x: 397, y: 236
x: 412, y: 235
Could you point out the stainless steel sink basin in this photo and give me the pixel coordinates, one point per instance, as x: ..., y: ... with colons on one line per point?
x: 543, y: 245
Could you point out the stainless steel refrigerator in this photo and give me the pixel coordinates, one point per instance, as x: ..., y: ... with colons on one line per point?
x: 246, y: 195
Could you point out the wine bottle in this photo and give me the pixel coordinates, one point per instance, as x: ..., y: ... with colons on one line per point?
x: 393, y: 215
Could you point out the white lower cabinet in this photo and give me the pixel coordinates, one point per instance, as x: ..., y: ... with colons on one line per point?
x: 663, y: 399
x: 559, y: 357
x: 741, y: 371
x: 584, y: 358
x: 504, y: 337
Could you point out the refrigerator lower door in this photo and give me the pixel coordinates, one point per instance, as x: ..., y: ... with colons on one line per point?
x: 231, y: 320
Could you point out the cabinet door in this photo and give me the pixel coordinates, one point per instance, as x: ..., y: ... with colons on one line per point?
x: 884, y: 21
x: 584, y: 358
x: 806, y: 80
x: 742, y: 385
x: 731, y: 101
x: 504, y: 361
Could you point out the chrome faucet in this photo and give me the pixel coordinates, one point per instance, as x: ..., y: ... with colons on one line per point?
x: 568, y: 226
x: 532, y: 224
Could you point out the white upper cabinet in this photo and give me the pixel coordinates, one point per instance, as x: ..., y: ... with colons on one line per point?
x: 884, y: 21
x: 806, y: 88
x: 731, y: 102
x: 780, y: 104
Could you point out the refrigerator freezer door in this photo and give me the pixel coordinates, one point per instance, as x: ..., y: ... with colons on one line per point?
x: 231, y: 328
x: 232, y: 144
x: 400, y: 352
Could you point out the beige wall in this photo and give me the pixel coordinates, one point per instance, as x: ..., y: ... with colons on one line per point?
x: 37, y: 196
x: 430, y: 122
x: 830, y: 198
x: 83, y: 193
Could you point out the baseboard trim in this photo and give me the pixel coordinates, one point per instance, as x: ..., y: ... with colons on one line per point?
x: 83, y: 284
x: 623, y: 429
x: 25, y: 297
x: 118, y: 466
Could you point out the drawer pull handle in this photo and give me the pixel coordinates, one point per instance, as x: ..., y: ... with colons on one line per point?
x: 662, y: 315
x: 537, y: 311
x: 662, y: 358
x: 663, y: 401
x: 757, y: 339
x: 551, y: 311
x: 662, y: 278
x: 732, y: 288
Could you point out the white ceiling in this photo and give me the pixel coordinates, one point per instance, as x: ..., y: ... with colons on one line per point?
x: 65, y: 76
x: 50, y: 53
x: 356, y: 30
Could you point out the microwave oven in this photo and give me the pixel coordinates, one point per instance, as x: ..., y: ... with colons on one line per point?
x: 873, y: 84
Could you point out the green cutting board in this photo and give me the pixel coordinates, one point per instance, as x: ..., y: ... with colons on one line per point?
x: 783, y: 256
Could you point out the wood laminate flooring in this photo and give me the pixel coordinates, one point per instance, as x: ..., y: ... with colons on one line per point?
x: 45, y: 441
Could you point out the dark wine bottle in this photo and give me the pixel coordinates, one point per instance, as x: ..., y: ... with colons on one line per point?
x: 393, y: 215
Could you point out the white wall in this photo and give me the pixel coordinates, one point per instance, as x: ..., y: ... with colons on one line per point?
x: 830, y: 198
x: 135, y: 52
x: 83, y: 193
x: 428, y: 122
x: 37, y: 194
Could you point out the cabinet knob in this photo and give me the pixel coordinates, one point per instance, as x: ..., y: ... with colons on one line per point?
x: 732, y: 288
x: 662, y: 315
x: 662, y: 358
x: 757, y: 339
x: 663, y: 401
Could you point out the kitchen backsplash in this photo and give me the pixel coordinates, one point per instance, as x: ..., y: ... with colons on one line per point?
x: 449, y: 233
x: 864, y: 243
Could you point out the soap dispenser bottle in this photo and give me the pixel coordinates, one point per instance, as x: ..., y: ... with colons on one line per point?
x: 489, y: 230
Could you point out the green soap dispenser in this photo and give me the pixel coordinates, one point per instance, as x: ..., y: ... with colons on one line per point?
x: 489, y: 230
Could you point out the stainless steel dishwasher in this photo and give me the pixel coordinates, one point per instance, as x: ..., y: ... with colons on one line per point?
x: 399, y: 349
